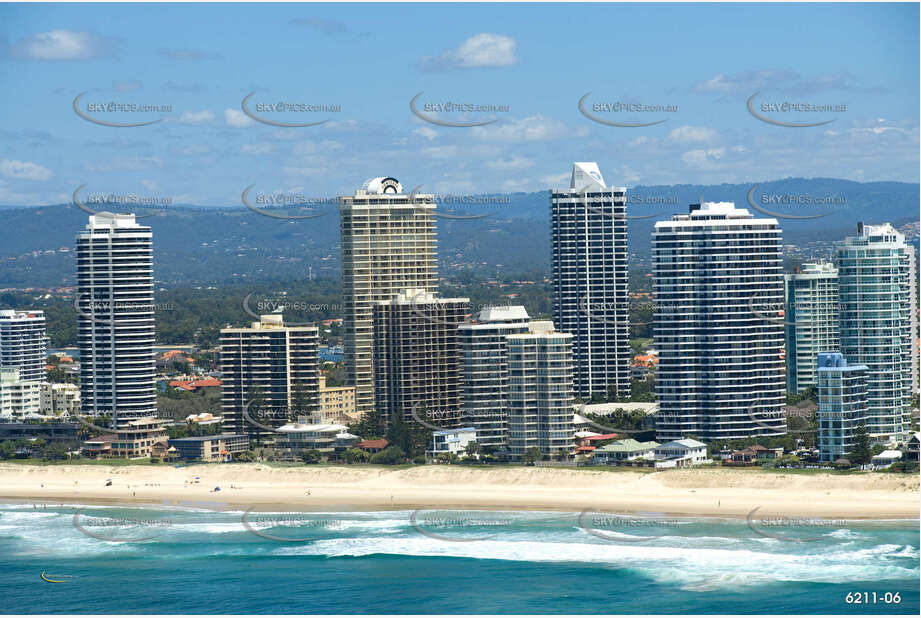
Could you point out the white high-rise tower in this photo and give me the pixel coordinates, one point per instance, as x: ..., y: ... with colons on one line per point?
x: 875, y: 269
x: 719, y: 324
x: 115, y: 303
x: 589, y: 271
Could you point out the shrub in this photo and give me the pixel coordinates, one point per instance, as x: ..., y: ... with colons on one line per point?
x: 389, y: 456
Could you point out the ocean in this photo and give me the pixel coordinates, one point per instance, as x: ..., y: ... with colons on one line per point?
x: 212, y: 558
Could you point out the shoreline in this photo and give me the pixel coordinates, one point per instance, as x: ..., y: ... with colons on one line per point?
x: 712, y: 492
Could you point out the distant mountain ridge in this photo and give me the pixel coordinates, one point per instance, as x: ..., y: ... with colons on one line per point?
x: 213, y: 245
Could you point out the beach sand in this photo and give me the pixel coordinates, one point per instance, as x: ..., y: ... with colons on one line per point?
x: 703, y: 492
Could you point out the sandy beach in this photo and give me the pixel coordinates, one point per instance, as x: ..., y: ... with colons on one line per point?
x: 704, y: 492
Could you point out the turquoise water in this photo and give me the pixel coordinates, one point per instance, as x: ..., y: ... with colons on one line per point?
x: 166, y: 559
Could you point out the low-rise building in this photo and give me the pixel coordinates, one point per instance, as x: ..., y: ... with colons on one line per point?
x: 59, y: 399
x: 221, y: 447
x: 452, y: 441
x: 373, y: 446
x: 49, y: 432
x: 913, y: 446
x: 681, y: 453
x: 337, y: 403
x: 19, y: 399
x: 624, y: 450
x: 305, y: 435
x: 886, y: 458
x: 134, y: 439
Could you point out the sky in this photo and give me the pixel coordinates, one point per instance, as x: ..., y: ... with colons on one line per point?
x: 696, y: 65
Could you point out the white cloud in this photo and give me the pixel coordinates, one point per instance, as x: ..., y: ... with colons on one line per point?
x: 150, y: 185
x: 685, y: 134
x: 530, y: 129
x: 202, y: 117
x: 62, y: 45
x: 257, y: 149
x: 514, y: 163
x: 480, y: 50
x: 702, y: 157
x: 556, y: 180
x: 24, y: 170
x: 427, y: 132
x: 237, y: 119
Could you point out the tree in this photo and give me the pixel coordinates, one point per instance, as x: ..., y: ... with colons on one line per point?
x: 300, y: 402
x: 7, y: 449
x: 398, y: 434
x: 447, y: 458
x: 245, y: 457
x: 532, y: 455
x: 473, y: 449
x: 311, y: 456
x: 861, y: 453
x: 356, y: 455
x: 370, y: 425
x: 389, y: 456
x: 54, y: 452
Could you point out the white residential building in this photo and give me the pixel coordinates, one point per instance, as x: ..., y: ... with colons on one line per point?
x: 485, y: 372
x: 60, y: 399
x: 589, y: 272
x: 719, y: 324
x: 452, y: 441
x: 811, y: 321
x: 115, y: 306
x: 875, y: 274
x: 19, y: 399
x: 680, y: 453
x: 540, y: 392
x: 388, y: 245
x: 23, y: 344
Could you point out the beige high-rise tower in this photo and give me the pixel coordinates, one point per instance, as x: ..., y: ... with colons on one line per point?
x: 388, y: 245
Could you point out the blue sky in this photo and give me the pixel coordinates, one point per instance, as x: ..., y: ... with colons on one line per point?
x: 371, y: 59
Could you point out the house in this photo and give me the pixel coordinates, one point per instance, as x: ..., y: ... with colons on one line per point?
x: 373, y: 446
x: 751, y: 455
x: 306, y: 436
x: 886, y: 459
x: 194, y: 384
x: 620, y: 451
x: 221, y: 447
x: 681, y: 453
x: 912, y: 446
x: 451, y: 441
x: 743, y: 457
x: 764, y: 453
